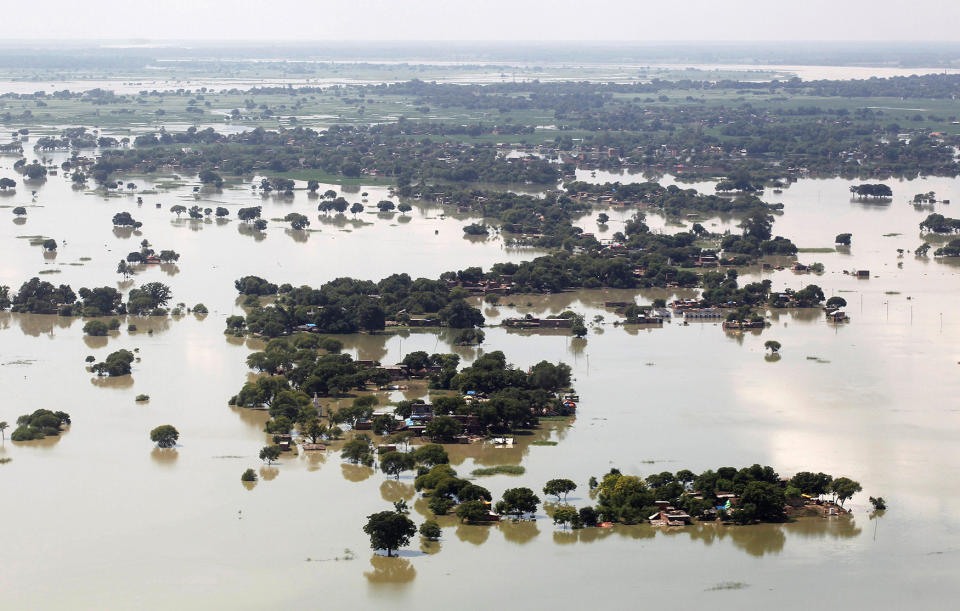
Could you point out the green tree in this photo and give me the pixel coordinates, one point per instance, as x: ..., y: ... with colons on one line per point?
x: 472, y: 511
x: 458, y: 314
x: 843, y: 239
x: 270, y: 453
x: 440, y: 505
x: 814, y: 484
x: 760, y: 501
x: 389, y: 530
x: 356, y: 208
x: 357, y: 450
x: 395, y: 463
x: 3, y: 427
x: 430, y: 530
x: 772, y: 345
x: 430, y: 455
x: 249, y: 476
x: 95, y: 328
x: 297, y: 221
x: 443, y: 428
x: 165, y: 436
x: 844, y: 488
x: 556, y: 487
x: 566, y: 515
x: 603, y: 218
x: 518, y: 501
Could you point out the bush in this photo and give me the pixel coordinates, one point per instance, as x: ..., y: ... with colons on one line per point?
x: 142, y: 398
x: 114, y: 324
x: 200, y: 309
x: 249, y: 476
x: 165, y: 436
x: 95, y: 328
x: 430, y: 530
x: 440, y: 505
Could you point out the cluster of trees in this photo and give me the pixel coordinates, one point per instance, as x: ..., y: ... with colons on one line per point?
x: 346, y: 305
x: 761, y: 494
x: 873, y: 191
x: 165, y: 436
x: 41, y: 423
x: 349, y: 151
x: 809, y: 296
x: 40, y: 297
x: 676, y: 201
x: 937, y: 223
x: 550, y: 218
x: 116, y: 364
x: 757, y: 238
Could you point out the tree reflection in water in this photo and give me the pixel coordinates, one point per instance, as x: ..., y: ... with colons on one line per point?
x: 355, y: 473
x: 164, y: 456
x: 393, y: 491
x: 519, y: 532
x: 269, y: 473
x: 390, y: 571
x: 118, y: 382
x: 475, y: 534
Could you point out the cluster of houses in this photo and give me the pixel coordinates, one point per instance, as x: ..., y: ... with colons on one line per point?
x: 538, y: 323
x: 696, y: 309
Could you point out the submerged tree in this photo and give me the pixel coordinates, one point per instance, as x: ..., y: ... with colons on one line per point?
x: 165, y: 436
x: 389, y: 530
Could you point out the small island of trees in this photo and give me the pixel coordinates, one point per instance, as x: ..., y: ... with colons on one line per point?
x: 41, y: 423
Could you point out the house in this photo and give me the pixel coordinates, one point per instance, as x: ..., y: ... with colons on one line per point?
x: 313, y: 447
x: 669, y: 516
x: 837, y: 316
x: 862, y: 273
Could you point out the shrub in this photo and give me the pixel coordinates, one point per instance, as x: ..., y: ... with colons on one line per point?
x: 95, y: 328
x: 430, y: 530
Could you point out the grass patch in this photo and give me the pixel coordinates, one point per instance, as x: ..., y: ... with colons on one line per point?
x: 891, y: 235
x: 822, y: 250
x: 544, y: 443
x: 727, y: 585
x: 499, y: 469
x: 891, y: 292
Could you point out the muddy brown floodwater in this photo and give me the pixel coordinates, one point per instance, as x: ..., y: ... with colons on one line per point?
x: 99, y: 518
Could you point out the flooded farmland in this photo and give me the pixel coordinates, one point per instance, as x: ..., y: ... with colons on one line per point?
x: 99, y: 517
x: 873, y: 399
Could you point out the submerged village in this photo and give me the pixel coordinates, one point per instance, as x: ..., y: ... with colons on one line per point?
x: 415, y: 319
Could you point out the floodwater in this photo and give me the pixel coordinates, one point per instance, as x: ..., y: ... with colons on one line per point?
x: 165, y: 76
x: 122, y: 524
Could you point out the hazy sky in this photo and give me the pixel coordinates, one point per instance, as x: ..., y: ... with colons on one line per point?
x: 512, y: 20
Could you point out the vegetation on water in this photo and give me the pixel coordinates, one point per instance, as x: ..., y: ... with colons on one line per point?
x: 389, y: 530
x: 41, y: 297
x: 116, y: 364
x: 165, y: 436
x: 41, y: 423
x: 499, y: 470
